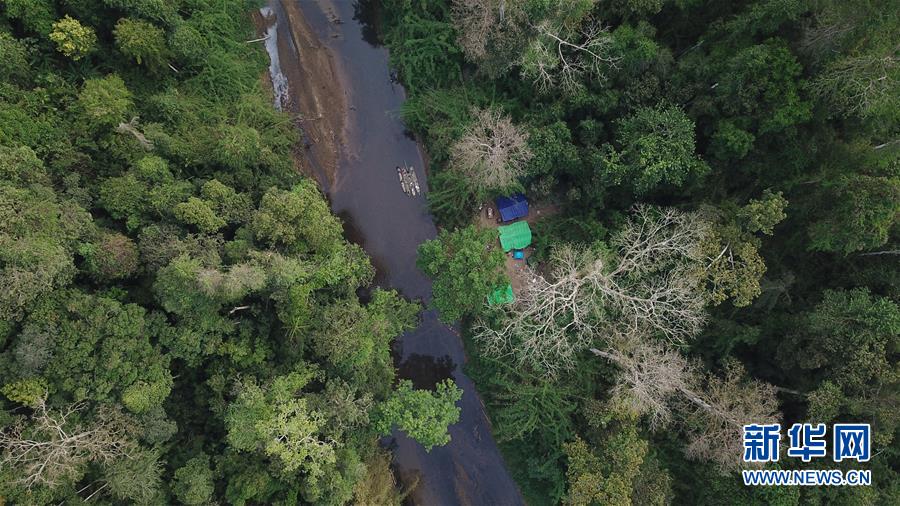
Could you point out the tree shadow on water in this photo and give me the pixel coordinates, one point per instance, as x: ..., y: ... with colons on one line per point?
x: 425, y: 371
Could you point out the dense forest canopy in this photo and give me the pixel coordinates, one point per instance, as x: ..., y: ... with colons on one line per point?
x: 180, y: 317
x: 182, y: 320
x: 726, y: 251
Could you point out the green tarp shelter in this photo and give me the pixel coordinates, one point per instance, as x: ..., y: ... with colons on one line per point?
x: 502, y: 295
x: 515, y: 236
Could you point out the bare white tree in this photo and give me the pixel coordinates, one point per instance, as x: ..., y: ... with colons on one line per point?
x: 53, y: 448
x: 657, y: 379
x: 654, y: 284
x: 493, y: 151
x: 551, y: 320
x: 647, y: 288
x: 133, y: 128
x: 651, y: 376
x: 715, y: 416
x: 861, y: 85
x: 491, y: 33
x: 476, y: 20
x: 559, y: 57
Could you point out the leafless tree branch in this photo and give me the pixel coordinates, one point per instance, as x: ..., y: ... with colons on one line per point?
x: 54, y: 447
x: 647, y: 289
x: 493, y: 151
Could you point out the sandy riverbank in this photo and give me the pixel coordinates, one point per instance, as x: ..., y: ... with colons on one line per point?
x: 319, y: 108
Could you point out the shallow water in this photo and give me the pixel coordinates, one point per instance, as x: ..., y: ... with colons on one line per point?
x: 280, y: 90
x: 390, y: 225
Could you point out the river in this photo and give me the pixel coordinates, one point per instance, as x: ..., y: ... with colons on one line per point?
x: 365, y: 193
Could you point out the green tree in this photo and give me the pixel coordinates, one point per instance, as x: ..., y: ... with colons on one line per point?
x: 424, y: 415
x: 36, y: 15
x: 39, y: 231
x: 105, y: 101
x: 553, y: 150
x: 857, y: 333
x: 111, y: 256
x: 432, y: 57
x: 614, y: 470
x: 858, y: 214
x: 657, y: 147
x: 279, y: 421
x: 847, y: 345
x: 353, y: 337
x: 28, y: 392
x: 147, y: 192
x: 733, y: 266
x: 137, y: 477
x: 188, y: 44
x: 73, y: 39
x: 193, y: 483
x: 466, y: 266
x: 13, y: 58
x: 760, y: 89
x: 199, y: 213
x: 232, y: 206
x: 101, y: 351
x: 143, y: 41
x: 589, y: 482
x: 239, y: 146
x: 298, y: 220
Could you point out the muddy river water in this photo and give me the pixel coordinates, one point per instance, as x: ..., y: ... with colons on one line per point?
x: 365, y: 192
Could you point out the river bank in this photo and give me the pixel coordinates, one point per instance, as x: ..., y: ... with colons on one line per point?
x: 371, y: 141
x: 303, y: 78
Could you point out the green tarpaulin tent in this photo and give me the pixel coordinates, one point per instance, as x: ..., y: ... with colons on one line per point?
x: 502, y: 295
x: 515, y: 236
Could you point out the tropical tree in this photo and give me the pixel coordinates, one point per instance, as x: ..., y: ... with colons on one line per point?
x: 106, y: 101
x: 143, y: 41
x: 657, y: 148
x: 193, y: 483
x: 424, y: 415
x: 466, y: 265
x: 72, y: 38
x: 733, y: 266
x: 297, y: 220
x: 278, y: 421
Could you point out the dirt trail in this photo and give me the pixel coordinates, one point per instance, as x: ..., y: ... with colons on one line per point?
x: 518, y: 275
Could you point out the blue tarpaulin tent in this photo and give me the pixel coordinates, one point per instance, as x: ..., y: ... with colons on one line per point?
x: 512, y: 207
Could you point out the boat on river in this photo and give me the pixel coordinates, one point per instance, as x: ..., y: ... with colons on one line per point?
x: 409, y: 182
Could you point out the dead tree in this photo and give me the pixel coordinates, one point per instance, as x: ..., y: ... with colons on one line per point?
x: 493, y: 151
x: 646, y: 289
x: 132, y: 128
x: 860, y: 85
x: 716, y: 414
x: 560, y: 57
x: 53, y: 447
x: 550, y: 321
x: 475, y: 21
x: 491, y: 33
x: 651, y: 376
x: 657, y: 379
